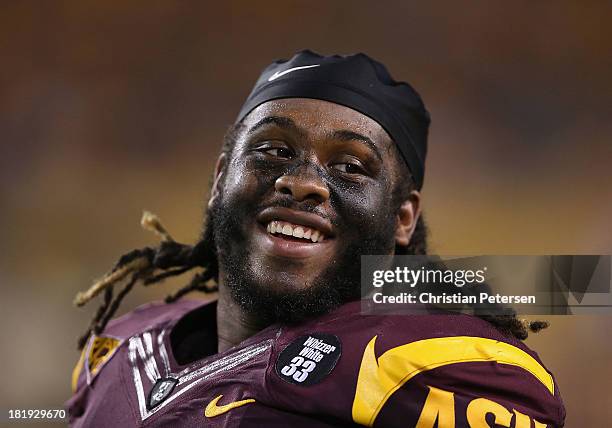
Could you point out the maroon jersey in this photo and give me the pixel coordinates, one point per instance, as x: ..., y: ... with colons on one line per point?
x: 157, y: 366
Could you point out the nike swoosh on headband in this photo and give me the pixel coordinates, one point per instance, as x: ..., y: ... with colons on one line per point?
x: 282, y: 73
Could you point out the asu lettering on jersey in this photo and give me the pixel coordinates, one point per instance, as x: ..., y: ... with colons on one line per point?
x: 440, y: 406
x: 380, y: 378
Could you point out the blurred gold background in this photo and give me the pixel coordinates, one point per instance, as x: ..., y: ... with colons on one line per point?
x: 109, y: 108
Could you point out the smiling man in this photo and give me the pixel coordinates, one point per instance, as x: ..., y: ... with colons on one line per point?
x: 324, y: 164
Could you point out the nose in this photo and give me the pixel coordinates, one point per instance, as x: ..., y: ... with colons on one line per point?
x: 302, y: 185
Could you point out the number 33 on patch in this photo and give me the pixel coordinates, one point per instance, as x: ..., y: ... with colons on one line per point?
x: 309, y: 359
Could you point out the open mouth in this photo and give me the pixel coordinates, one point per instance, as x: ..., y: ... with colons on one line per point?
x: 294, y: 234
x: 300, y: 232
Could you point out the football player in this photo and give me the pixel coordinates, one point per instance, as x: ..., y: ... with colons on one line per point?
x: 325, y: 163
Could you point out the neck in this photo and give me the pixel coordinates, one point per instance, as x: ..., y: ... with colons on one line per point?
x: 234, y: 325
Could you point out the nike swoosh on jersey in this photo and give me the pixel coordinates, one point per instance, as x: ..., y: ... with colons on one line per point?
x: 213, y: 410
x: 282, y: 73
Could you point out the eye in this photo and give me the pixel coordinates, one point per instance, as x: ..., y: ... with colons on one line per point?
x: 352, y: 167
x: 279, y: 152
x: 274, y: 148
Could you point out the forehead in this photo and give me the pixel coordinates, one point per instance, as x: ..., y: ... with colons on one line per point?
x: 318, y: 116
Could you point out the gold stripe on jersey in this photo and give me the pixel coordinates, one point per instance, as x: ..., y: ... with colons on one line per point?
x: 77, y: 370
x: 379, y: 379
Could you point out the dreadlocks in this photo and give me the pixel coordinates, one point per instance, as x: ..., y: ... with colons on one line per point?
x: 170, y: 258
x: 151, y: 265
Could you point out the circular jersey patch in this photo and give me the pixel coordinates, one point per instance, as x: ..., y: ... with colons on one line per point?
x: 309, y: 359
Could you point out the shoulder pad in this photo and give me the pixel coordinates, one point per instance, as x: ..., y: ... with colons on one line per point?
x: 453, y: 359
x: 99, y: 349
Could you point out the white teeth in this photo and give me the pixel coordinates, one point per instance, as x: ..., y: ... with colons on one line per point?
x: 298, y: 232
x: 275, y: 227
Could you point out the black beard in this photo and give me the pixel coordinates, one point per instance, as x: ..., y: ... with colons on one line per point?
x: 338, y: 284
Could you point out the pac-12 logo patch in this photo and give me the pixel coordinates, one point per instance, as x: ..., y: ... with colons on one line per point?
x: 309, y: 359
x: 99, y: 351
x: 160, y: 391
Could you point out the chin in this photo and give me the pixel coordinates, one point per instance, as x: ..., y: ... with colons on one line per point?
x: 285, y: 277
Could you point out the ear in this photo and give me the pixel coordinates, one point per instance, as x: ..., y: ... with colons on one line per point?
x: 215, y: 191
x: 407, y: 217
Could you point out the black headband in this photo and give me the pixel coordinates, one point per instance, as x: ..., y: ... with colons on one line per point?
x: 355, y: 81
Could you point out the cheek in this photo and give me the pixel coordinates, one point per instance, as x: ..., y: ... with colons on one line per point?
x: 363, y: 207
x: 248, y: 181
